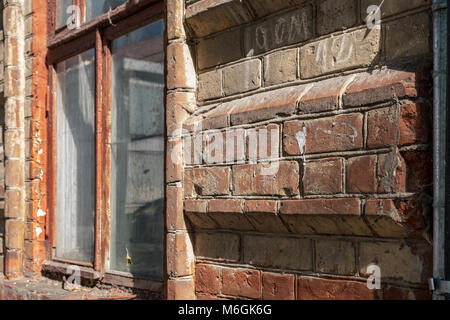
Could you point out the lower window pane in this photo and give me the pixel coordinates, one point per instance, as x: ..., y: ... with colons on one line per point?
x: 137, y: 162
x: 75, y: 158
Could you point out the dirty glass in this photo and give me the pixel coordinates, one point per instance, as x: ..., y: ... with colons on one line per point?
x: 95, y: 8
x: 137, y: 161
x: 64, y: 12
x: 75, y: 158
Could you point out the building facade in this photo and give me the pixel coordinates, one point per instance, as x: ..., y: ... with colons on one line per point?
x: 216, y: 149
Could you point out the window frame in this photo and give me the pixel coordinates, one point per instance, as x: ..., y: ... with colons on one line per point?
x: 62, y: 44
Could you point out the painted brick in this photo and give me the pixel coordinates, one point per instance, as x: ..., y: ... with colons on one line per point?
x: 361, y: 175
x: 220, y: 49
x: 210, y: 85
x: 207, y: 181
x: 242, y: 77
x: 336, y: 15
x: 400, y: 44
x: 336, y: 257
x: 284, y: 253
x: 280, y: 67
x: 241, y: 283
x: 340, y: 133
x: 323, y: 177
x: 278, y: 178
x: 392, y: 257
x: 348, y: 51
x: 278, y: 286
x: 278, y: 31
x: 218, y: 246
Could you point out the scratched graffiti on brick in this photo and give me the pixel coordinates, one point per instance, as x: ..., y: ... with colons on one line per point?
x: 289, y: 28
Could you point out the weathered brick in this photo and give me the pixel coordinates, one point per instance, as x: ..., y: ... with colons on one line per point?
x: 339, y: 133
x: 207, y: 181
x: 347, y: 51
x: 397, y: 260
x: 210, y: 85
x: 336, y: 15
x: 242, y: 77
x: 323, y: 177
x: 220, y: 49
x: 174, y: 160
x: 206, y: 17
x: 175, y: 29
x: 280, y: 67
x: 14, y: 234
x: 196, y: 212
x: 391, y: 292
x: 287, y: 28
x: 227, y: 213
x: 180, y: 67
x: 284, y: 253
x: 418, y: 169
x: 179, y: 106
x: 208, y: 279
x: 380, y: 85
x: 400, y: 44
x: 265, y: 7
x: 174, y: 209
x: 181, y: 289
x: 13, y: 264
x: 391, y: 173
x: 361, y: 174
x: 180, y: 258
x: 278, y: 178
x: 336, y: 257
x: 347, y: 206
x: 218, y: 246
x: 278, y: 286
x: 263, y: 143
x: 382, y: 127
x: 241, y: 283
x: 390, y: 8
x: 385, y: 219
x: 415, y: 124
x: 263, y: 216
x: 327, y: 289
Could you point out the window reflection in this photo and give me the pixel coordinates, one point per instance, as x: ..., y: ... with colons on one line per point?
x: 95, y: 8
x: 137, y: 133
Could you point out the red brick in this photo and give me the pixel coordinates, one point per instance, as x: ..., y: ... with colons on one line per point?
x: 263, y: 143
x: 249, y: 179
x: 392, y: 173
x: 175, y: 27
x: 419, y: 170
x: 347, y: 206
x: 339, y: 133
x: 398, y: 293
x: 207, y: 279
x: 415, y: 124
x: 196, y: 206
x: 174, y: 211
x: 325, y: 289
x: 323, y: 177
x: 181, y: 289
x: 14, y: 234
x: 382, y: 128
x: 180, y: 258
x: 379, y: 86
x: 174, y: 161
x: 13, y: 264
x: 361, y: 175
x: 225, y: 206
x: 278, y: 286
x: 179, y: 106
x: 207, y: 181
x: 263, y: 206
x: 196, y: 212
x: 243, y: 283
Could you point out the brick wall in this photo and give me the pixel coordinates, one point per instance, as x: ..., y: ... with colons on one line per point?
x: 2, y: 163
x: 343, y: 182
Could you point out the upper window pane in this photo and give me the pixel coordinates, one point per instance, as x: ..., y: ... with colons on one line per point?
x: 65, y: 12
x: 75, y: 158
x: 95, y: 8
x: 137, y: 146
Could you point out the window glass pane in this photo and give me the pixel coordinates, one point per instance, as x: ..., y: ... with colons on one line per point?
x: 137, y: 162
x: 75, y: 158
x: 63, y: 8
x: 95, y: 8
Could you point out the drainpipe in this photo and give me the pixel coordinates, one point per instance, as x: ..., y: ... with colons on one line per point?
x: 440, y: 284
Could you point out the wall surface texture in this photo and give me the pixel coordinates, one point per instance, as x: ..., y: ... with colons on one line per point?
x: 308, y: 158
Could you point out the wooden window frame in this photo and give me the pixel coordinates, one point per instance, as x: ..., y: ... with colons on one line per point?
x: 63, y: 44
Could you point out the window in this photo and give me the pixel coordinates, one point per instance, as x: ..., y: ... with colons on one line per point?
x: 107, y: 123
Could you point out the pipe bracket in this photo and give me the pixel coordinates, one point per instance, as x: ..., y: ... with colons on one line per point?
x: 439, y: 286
